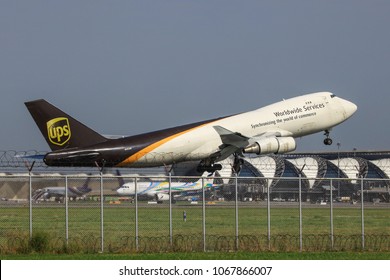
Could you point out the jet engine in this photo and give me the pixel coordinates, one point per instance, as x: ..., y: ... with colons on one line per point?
x: 276, y: 145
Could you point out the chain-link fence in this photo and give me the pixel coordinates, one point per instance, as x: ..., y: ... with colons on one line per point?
x: 106, y: 213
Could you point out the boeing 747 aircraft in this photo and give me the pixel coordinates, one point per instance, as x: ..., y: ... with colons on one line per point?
x: 270, y: 129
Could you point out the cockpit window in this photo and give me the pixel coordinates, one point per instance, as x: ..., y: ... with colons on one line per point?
x: 332, y: 95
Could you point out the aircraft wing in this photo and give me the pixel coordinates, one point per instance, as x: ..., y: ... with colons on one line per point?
x: 232, y: 138
x: 234, y: 142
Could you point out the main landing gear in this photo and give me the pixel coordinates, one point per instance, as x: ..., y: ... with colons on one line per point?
x: 208, y: 166
x: 327, y: 141
x: 237, y: 163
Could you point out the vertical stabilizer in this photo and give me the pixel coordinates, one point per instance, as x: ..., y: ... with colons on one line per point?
x: 60, y: 130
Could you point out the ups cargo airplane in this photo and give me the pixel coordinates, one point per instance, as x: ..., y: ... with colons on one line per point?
x: 270, y: 129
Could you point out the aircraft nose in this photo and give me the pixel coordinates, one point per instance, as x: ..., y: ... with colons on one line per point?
x: 349, y: 107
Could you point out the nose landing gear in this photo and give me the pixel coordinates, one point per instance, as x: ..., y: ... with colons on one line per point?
x: 327, y: 141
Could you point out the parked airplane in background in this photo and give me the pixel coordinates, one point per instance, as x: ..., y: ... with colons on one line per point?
x: 270, y: 129
x: 160, y: 189
x: 59, y: 192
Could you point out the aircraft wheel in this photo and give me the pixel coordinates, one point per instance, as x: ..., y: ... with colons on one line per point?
x: 211, y: 168
x: 217, y: 167
x: 328, y: 141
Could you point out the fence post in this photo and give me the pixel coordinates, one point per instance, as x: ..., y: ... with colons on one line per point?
x: 300, y: 212
x: 101, y: 168
x: 268, y: 214
x: 362, y: 208
x: 236, y: 211
x: 170, y: 209
x: 30, y: 196
x: 66, y: 212
x: 136, y: 214
x: 300, y: 207
x: 331, y: 215
x: 204, y: 215
x: 101, y: 212
x: 30, y: 204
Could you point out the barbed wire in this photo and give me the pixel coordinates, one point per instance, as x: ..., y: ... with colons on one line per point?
x: 9, y: 158
x: 312, y: 165
x: 17, y: 159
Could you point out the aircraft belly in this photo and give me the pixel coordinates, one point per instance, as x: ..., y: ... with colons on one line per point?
x: 190, y: 146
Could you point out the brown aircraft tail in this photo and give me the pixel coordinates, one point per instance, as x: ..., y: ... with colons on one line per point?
x: 60, y: 130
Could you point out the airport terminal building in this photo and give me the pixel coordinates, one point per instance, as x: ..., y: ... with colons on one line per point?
x: 316, y: 170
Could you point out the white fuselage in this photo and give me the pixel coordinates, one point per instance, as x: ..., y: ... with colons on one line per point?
x: 295, y: 117
x: 160, y: 188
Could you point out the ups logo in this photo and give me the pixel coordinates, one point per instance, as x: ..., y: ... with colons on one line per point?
x: 58, y: 130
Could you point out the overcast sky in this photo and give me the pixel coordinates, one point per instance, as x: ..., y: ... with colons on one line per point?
x: 128, y: 67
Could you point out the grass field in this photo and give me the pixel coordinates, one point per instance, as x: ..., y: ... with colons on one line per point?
x: 154, y: 229
x: 207, y: 256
